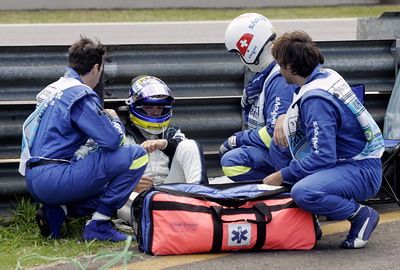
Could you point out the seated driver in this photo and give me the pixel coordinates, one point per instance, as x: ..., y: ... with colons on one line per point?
x: 172, y: 157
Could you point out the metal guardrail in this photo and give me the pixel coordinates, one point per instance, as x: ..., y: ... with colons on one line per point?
x: 206, y: 80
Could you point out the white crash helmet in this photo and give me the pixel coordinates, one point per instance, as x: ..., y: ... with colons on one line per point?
x: 149, y: 90
x: 250, y: 35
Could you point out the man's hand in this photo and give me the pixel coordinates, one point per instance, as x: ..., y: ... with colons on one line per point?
x: 274, y: 179
x: 153, y: 145
x: 144, y: 183
x: 253, y: 88
x: 279, y: 133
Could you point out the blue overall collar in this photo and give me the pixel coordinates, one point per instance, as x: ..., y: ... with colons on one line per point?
x: 268, y: 69
x: 71, y: 73
x: 317, y: 73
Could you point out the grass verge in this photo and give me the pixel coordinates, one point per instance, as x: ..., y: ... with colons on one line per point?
x: 21, y: 240
x: 148, y: 15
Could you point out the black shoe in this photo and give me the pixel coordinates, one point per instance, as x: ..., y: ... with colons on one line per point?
x: 50, y: 220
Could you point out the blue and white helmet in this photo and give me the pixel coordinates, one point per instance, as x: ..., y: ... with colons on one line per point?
x: 250, y: 35
x: 149, y: 90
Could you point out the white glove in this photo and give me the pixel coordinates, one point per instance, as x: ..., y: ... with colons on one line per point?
x: 84, y: 150
x: 228, y: 144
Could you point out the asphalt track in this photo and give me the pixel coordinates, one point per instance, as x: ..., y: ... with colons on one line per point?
x: 162, y: 33
x: 382, y: 252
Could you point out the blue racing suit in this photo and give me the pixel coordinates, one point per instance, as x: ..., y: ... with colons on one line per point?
x: 265, y: 97
x: 329, y: 179
x: 103, y: 180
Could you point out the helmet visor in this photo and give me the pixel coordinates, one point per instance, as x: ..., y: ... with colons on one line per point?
x: 148, y: 86
x: 153, y: 107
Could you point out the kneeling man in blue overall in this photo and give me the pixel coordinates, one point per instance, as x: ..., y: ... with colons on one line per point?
x: 335, y: 143
x: 68, y: 113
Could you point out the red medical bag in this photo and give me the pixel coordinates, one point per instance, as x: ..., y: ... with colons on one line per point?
x: 190, y: 218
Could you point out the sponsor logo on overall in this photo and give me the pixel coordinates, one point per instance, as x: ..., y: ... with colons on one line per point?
x: 292, y: 124
x: 297, y: 140
x: 184, y: 227
x: 239, y: 234
x: 315, y: 137
x: 274, y: 112
x: 339, y: 89
x: 254, y: 112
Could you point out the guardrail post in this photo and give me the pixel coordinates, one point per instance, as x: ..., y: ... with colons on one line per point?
x: 397, y: 56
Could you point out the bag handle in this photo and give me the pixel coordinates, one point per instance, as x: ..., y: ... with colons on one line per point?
x: 264, y: 210
x: 261, y: 208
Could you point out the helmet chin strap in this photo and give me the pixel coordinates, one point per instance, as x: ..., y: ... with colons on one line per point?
x: 264, y: 60
x: 147, y: 135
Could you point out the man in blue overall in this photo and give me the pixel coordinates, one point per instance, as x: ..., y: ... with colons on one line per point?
x: 335, y: 143
x: 265, y: 97
x: 67, y: 115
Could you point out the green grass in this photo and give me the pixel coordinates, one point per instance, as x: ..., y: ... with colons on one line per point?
x: 22, y: 238
x: 148, y: 15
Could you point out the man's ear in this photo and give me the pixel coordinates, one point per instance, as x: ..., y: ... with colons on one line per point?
x: 96, y: 67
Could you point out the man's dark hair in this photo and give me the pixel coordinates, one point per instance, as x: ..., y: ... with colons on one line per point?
x: 84, y: 54
x: 297, y: 52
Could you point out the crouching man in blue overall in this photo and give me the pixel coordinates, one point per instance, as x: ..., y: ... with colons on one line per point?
x: 335, y: 143
x: 266, y: 96
x: 68, y: 113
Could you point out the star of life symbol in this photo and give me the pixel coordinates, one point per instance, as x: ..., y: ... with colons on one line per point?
x: 244, y: 42
x: 239, y: 234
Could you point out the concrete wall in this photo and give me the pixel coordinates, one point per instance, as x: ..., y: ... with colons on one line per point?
x: 132, y: 4
x: 387, y: 26
x: 390, y: 2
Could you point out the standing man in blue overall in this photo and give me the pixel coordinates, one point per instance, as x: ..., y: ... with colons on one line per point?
x: 67, y: 115
x: 335, y: 143
x: 265, y: 97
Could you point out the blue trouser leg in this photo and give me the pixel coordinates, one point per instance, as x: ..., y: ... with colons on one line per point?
x: 279, y: 157
x: 101, y: 181
x: 246, y: 163
x: 334, y: 192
